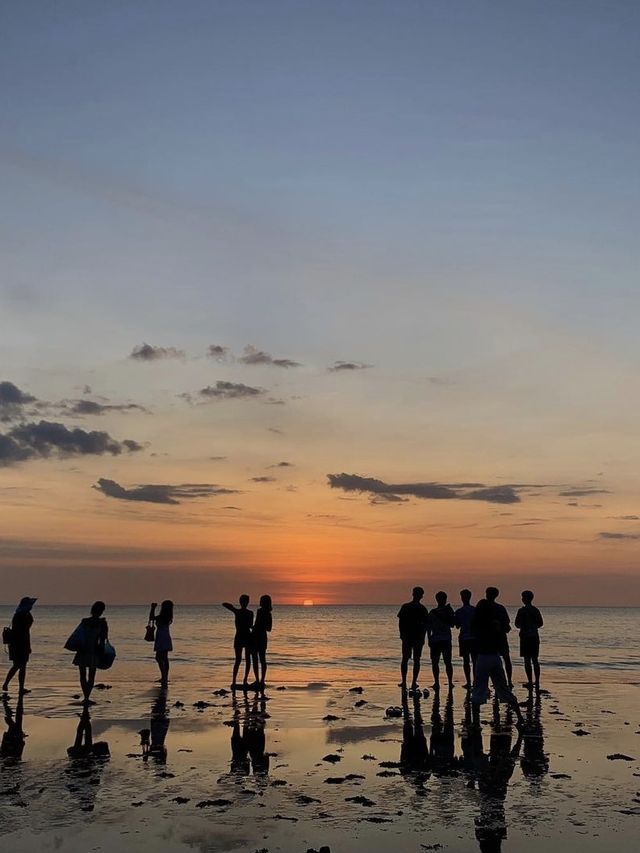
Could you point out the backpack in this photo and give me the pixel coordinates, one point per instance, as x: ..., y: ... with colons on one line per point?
x: 7, y: 635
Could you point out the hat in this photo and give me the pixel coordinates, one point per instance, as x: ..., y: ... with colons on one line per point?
x: 26, y: 603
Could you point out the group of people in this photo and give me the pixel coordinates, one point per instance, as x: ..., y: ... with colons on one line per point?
x: 90, y: 642
x: 482, y: 640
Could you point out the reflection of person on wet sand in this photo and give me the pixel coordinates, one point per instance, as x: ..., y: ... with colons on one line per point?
x: 242, y: 639
x: 442, y: 741
x: 13, y: 739
x: 153, y: 739
x: 86, y: 757
x: 494, y: 772
x: 412, y: 622
x: 248, y: 739
x: 414, y: 752
x: 534, y: 763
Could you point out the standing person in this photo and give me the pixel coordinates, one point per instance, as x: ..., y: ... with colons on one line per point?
x: 242, y: 639
x: 466, y: 640
x: 529, y: 620
x: 95, y: 632
x: 412, y: 622
x: 261, y: 628
x: 505, y: 653
x: 20, y: 644
x: 488, y: 629
x: 162, y: 644
x: 441, y: 621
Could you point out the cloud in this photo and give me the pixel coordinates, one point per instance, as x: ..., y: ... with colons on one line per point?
x: 263, y: 479
x: 217, y: 352
x: 626, y: 517
x: 282, y: 465
x: 259, y: 357
x: 45, y: 439
x: 92, y: 407
x: 607, y: 535
x: 161, y: 493
x: 581, y: 493
x: 425, y: 491
x: 146, y: 352
x: 226, y: 391
x: 12, y: 401
x: 344, y: 366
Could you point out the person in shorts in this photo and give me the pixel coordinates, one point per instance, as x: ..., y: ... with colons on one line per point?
x: 441, y: 621
x: 242, y: 642
x: 529, y: 621
x: 412, y: 622
x: 466, y: 640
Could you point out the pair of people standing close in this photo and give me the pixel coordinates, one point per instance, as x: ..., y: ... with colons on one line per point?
x: 416, y: 623
x: 251, y: 640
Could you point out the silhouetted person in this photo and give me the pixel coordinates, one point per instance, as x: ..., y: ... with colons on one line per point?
x: 95, y: 632
x: 13, y: 740
x: 20, y: 644
x: 466, y: 640
x: 412, y: 622
x: 441, y: 621
x: 162, y: 644
x: 240, y: 762
x: 505, y: 652
x: 255, y: 737
x: 259, y: 636
x: 529, y: 620
x: 414, y: 752
x: 242, y: 639
x: 534, y: 763
x: 488, y: 628
x: 153, y: 739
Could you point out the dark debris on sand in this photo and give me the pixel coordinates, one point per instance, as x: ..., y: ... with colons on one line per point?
x: 360, y: 800
x: 332, y: 758
x: 220, y: 803
x: 620, y: 756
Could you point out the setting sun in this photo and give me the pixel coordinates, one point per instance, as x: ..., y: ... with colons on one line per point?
x: 308, y: 602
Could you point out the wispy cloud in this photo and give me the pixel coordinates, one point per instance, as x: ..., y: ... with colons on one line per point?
x: 581, y: 493
x: 93, y: 407
x: 46, y: 439
x: 147, y: 352
x: 263, y: 479
x: 608, y: 535
x: 393, y: 492
x: 163, y: 493
x: 347, y: 366
x: 223, y: 390
x: 254, y: 356
x: 218, y: 352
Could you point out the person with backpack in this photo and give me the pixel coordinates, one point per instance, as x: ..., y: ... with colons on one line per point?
x: 93, y: 633
x: 18, y: 639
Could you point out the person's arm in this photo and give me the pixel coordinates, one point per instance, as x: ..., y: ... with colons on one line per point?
x: 540, y: 620
x: 518, y: 622
x: 229, y: 606
x: 152, y: 612
x: 269, y: 624
x: 451, y: 617
x: 456, y: 619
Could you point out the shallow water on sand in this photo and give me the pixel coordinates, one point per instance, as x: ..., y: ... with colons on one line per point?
x: 240, y: 774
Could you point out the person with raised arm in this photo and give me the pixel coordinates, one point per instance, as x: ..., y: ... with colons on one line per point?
x: 242, y: 640
x: 162, y: 644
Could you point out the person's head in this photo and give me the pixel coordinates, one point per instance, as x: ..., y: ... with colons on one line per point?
x: 465, y: 596
x: 166, y: 611
x: 441, y: 598
x: 265, y: 602
x: 527, y: 596
x: 244, y: 601
x: 97, y: 608
x: 492, y: 592
x: 26, y: 604
x: 417, y: 592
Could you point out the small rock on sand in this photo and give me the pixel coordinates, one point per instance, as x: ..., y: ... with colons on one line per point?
x: 331, y: 718
x: 580, y: 733
x: 362, y: 801
x: 393, y: 711
x: 356, y: 690
x: 203, y: 804
x: 180, y: 800
x: 620, y: 756
x: 360, y: 703
x: 332, y: 758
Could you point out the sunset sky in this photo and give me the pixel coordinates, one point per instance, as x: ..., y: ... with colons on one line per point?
x: 348, y: 290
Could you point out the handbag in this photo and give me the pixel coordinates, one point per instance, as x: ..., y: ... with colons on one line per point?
x: 106, y: 656
x: 150, y: 633
x: 76, y: 641
x: 7, y: 635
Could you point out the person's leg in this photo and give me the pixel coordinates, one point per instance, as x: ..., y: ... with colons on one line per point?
x: 528, y: 670
x: 404, y: 664
x: 10, y: 674
x: 83, y: 681
x: 91, y: 680
x: 480, y: 688
x: 255, y: 658
x: 536, y: 670
x: 435, y: 668
x: 236, y: 665
x: 417, y: 654
x: 263, y: 662
x: 22, y: 675
x: 159, y: 662
x: 502, y: 689
x: 247, y: 665
x: 466, y: 666
x: 509, y: 668
x: 446, y: 656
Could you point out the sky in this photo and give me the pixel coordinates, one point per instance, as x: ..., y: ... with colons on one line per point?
x: 319, y: 299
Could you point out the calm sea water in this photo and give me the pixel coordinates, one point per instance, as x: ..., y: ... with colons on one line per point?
x: 335, y: 644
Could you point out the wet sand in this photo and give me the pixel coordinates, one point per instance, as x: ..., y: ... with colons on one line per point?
x: 316, y: 765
